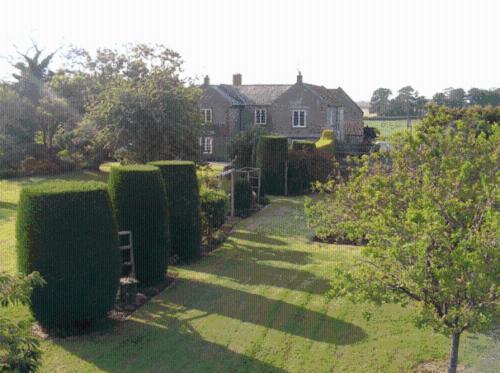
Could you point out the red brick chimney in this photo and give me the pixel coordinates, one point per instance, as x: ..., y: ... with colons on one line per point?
x: 237, y: 79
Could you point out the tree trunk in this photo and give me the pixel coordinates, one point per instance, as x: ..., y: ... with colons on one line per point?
x: 455, y: 340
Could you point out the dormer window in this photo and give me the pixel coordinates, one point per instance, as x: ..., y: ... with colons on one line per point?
x: 299, y: 118
x: 206, y: 115
x: 260, y: 116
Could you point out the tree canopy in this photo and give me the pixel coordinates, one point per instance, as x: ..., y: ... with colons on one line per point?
x: 430, y: 217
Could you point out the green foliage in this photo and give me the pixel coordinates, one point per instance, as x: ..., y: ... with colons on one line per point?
x: 272, y: 154
x: 143, y: 111
x: 19, y: 350
x: 326, y: 141
x: 66, y: 231
x: 306, y: 167
x: 242, y: 196
x: 298, y: 176
x: 242, y: 147
x: 17, y: 127
x: 431, y: 222
x: 139, y: 201
x: 184, y: 207
x: 304, y: 145
x: 214, y: 207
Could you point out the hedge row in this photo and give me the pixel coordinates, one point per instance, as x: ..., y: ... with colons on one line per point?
x: 183, y: 202
x: 139, y: 201
x: 66, y: 231
x: 214, y: 205
x: 272, y: 154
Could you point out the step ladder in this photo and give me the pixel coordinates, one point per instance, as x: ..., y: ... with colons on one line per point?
x: 128, y: 280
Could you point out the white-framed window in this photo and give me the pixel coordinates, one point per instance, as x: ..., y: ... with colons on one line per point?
x: 260, y: 116
x: 299, y: 118
x: 206, y: 144
x: 206, y: 115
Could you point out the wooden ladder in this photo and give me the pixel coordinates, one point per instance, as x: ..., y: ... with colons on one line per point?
x: 128, y: 283
x: 130, y: 263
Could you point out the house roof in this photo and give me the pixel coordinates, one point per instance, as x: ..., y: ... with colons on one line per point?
x: 340, y: 95
x: 257, y: 94
x: 266, y: 94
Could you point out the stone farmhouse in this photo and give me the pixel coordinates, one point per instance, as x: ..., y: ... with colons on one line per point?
x: 298, y: 111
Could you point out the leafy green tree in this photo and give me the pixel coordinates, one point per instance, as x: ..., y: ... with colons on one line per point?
x: 19, y: 350
x: 431, y: 218
x: 380, y: 102
x: 33, y: 73
x: 17, y: 127
x: 144, y: 111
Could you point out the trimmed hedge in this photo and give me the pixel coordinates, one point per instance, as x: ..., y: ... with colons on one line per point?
x: 303, y: 145
x: 326, y: 141
x: 66, y: 231
x: 305, y: 167
x: 183, y: 200
x: 298, y: 172
x: 242, y: 196
x: 139, y: 201
x: 272, y: 154
x: 214, y: 207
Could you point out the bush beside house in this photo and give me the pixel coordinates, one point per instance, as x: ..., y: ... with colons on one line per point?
x: 271, y: 157
x: 139, y: 201
x: 183, y: 202
x: 66, y: 231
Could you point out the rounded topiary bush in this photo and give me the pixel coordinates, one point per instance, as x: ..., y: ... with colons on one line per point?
x: 298, y: 171
x: 140, y: 204
x: 242, y: 196
x: 66, y: 231
x: 183, y: 202
x: 272, y: 153
x: 214, y: 208
x: 304, y: 145
x: 326, y: 141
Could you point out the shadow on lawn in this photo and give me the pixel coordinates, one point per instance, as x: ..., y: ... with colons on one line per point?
x: 260, y: 310
x: 249, y: 271
x: 164, y: 344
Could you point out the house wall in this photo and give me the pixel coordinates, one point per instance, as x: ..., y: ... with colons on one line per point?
x: 353, y: 118
x: 303, y: 98
x: 225, y: 119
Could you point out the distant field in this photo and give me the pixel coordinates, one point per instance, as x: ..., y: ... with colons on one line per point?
x: 388, y: 127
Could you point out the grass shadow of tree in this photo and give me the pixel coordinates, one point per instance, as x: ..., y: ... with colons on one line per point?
x: 164, y: 344
x: 260, y: 310
x: 246, y: 269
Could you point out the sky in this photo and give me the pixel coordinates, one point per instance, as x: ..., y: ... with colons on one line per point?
x: 359, y: 45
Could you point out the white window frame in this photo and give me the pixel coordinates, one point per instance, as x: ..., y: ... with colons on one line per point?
x: 258, y: 118
x: 298, y: 111
x: 206, y: 144
x: 204, y: 113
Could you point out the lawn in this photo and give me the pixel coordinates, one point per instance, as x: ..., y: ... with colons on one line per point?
x: 256, y: 304
x: 388, y: 127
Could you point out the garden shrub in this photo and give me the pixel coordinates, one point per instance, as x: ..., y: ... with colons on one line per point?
x: 139, y: 201
x: 326, y: 141
x: 321, y: 165
x: 298, y: 171
x: 214, y: 207
x: 305, y: 167
x: 183, y: 202
x: 242, y: 196
x: 272, y: 154
x: 66, y: 231
x: 303, y: 145
x: 33, y: 166
x: 242, y: 148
